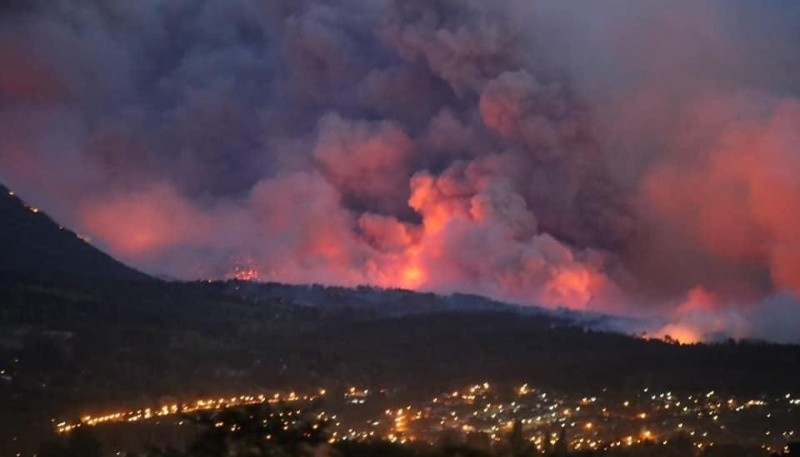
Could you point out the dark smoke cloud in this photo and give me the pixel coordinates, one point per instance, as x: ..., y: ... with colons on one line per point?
x: 636, y: 158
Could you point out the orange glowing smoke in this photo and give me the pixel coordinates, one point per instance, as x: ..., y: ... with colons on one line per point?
x: 692, y: 319
x: 142, y: 224
x: 739, y: 203
x: 412, y: 272
x: 698, y: 299
x: 683, y: 334
x: 476, y: 235
x: 571, y: 287
x: 699, y: 317
x: 412, y: 277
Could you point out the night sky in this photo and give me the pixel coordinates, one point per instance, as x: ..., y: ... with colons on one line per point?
x: 639, y: 158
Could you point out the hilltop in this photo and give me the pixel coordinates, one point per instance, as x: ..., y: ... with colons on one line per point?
x: 32, y: 245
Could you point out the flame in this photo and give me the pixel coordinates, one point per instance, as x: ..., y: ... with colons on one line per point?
x: 412, y: 277
x: 570, y: 288
x: 245, y: 274
x: 699, y: 317
x: 681, y: 333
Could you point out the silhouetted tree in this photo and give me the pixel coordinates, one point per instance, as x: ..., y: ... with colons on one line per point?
x: 81, y: 442
x: 561, y: 447
x: 253, y: 431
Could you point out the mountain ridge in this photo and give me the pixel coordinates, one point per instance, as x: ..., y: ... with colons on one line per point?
x: 32, y: 245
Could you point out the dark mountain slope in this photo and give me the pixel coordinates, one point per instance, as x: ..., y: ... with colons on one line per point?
x: 33, y: 246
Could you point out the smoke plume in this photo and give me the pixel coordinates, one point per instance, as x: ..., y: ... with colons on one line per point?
x: 629, y: 158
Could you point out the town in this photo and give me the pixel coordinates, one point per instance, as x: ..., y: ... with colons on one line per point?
x: 483, y: 415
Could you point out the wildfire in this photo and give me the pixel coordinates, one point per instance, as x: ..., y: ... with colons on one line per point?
x: 570, y: 288
x: 681, y: 333
x: 245, y: 273
x: 412, y: 276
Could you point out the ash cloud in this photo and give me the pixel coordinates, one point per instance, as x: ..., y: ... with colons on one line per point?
x: 616, y: 158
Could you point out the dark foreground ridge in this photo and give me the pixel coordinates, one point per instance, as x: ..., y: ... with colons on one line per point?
x: 32, y: 245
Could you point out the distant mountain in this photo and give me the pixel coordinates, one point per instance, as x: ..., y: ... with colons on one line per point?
x: 34, y: 246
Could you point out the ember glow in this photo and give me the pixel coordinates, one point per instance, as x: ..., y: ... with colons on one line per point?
x: 618, y: 158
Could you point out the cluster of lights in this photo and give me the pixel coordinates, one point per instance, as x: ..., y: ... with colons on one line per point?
x: 356, y: 396
x: 208, y: 404
x: 592, y: 422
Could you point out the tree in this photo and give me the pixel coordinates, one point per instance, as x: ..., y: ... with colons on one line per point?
x: 254, y: 431
x: 562, y: 446
x: 81, y: 442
